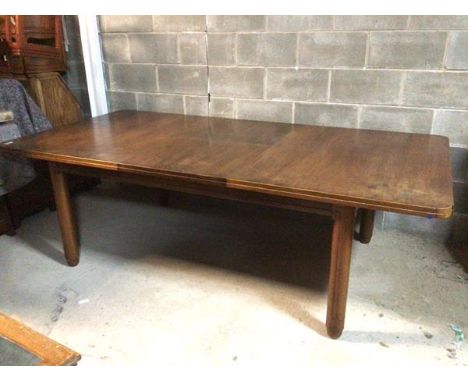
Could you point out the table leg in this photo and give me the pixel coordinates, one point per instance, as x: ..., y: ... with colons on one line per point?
x: 342, y: 239
x: 65, y: 215
x: 367, y: 226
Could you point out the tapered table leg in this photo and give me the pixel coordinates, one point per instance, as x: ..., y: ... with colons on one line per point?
x: 367, y: 226
x: 342, y: 239
x: 65, y: 215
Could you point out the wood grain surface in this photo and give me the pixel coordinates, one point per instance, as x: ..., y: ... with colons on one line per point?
x: 399, y: 172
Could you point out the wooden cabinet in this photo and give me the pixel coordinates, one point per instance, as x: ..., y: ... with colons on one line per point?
x: 4, y: 50
x: 32, y: 51
x: 35, y: 43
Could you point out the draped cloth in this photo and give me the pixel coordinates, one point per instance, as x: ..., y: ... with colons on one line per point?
x: 28, y: 119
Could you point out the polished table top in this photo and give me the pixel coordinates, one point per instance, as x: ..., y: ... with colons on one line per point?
x: 400, y: 172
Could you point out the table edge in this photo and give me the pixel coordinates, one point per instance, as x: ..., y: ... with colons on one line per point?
x: 335, y: 199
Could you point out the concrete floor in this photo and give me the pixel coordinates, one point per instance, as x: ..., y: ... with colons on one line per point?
x: 215, y: 282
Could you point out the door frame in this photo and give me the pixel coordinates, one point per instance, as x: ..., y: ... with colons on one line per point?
x: 93, y: 62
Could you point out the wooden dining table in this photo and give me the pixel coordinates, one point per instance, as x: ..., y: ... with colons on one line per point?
x: 325, y: 170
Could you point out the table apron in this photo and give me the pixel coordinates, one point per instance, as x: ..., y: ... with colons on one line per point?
x: 193, y: 187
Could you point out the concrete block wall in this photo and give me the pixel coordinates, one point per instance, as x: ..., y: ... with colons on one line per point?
x: 156, y: 63
x: 400, y: 73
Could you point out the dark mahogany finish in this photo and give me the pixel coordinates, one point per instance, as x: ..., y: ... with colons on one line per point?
x: 332, y: 171
x: 407, y: 173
